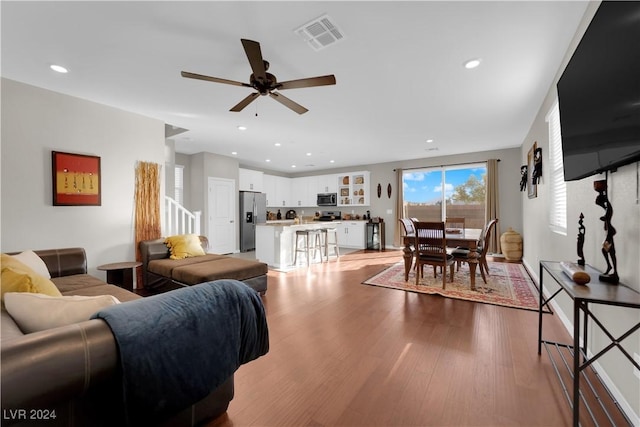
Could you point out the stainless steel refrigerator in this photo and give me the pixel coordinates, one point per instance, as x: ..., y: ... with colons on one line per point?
x: 253, y: 210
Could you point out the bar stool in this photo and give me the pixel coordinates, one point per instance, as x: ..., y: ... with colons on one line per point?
x: 326, y: 232
x: 311, y: 241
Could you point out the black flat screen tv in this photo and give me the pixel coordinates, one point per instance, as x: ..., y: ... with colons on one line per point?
x: 599, y: 94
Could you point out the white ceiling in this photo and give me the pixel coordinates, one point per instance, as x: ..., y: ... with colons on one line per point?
x: 400, y: 79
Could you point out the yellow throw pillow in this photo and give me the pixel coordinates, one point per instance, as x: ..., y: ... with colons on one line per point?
x: 184, y: 246
x: 17, y: 277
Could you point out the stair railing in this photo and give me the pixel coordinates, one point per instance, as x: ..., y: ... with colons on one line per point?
x: 178, y: 220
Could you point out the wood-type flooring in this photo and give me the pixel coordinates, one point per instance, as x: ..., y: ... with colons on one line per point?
x: 347, y: 354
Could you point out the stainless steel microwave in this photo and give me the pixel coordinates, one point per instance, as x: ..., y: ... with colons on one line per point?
x: 327, y: 199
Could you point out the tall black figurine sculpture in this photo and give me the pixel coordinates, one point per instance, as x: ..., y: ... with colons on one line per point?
x: 581, y: 230
x: 608, y: 246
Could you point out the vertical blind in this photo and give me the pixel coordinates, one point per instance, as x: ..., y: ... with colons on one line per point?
x: 558, y: 192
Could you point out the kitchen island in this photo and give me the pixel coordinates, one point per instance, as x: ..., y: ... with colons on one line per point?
x: 276, y: 241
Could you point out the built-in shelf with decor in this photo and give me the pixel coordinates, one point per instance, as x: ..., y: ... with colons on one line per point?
x: 354, y: 189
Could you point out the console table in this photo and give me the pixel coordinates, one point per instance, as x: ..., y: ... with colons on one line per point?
x: 594, y: 292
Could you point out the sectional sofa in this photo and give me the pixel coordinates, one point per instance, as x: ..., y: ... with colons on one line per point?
x: 72, y: 374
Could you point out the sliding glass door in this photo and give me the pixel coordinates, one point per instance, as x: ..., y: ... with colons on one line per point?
x: 433, y: 194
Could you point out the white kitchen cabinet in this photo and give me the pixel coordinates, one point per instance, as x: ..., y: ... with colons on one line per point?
x: 311, y: 193
x: 278, y: 189
x: 351, y: 234
x: 304, y: 191
x: 250, y: 180
x: 269, y: 184
x: 354, y: 189
x: 327, y: 184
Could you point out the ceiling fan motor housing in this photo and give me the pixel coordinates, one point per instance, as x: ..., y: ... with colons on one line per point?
x: 264, y: 86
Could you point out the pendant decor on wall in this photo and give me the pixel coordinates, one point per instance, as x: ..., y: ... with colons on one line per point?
x: 533, y: 187
x: 379, y: 190
x: 537, y: 165
x: 523, y: 177
x: 389, y: 190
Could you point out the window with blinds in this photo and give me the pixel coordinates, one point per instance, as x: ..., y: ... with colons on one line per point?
x: 558, y: 188
x: 179, y: 184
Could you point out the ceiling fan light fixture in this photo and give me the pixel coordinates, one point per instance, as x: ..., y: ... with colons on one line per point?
x: 472, y: 63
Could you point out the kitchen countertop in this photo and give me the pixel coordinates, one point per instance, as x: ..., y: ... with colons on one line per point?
x: 291, y: 224
x: 285, y: 222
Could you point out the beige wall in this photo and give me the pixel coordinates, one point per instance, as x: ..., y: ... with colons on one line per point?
x: 35, y: 122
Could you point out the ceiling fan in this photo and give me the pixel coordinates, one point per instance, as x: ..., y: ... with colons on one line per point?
x: 265, y: 83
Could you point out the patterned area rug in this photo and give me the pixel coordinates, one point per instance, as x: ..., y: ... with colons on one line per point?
x: 508, y: 285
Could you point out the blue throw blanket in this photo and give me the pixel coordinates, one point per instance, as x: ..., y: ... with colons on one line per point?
x: 177, y: 347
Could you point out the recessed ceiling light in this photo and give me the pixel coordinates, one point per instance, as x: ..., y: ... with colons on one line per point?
x: 293, y: 166
x: 234, y: 153
x: 277, y: 144
x: 268, y: 160
x: 429, y: 141
x: 59, y: 68
x: 472, y: 63
x: 332, y: 161
x: 242, y: 127
x: 308, y: 154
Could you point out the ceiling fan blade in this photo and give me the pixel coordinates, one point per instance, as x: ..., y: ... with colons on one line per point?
x: 288, y: 103
x: 248, y: 100
x: 308, y: 82
x: 212, y: 79
x: 254, y: 55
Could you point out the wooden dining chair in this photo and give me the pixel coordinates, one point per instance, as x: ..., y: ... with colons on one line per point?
x: 407, y: 225
x: 455, y: 225
x: 409, y: 230
x: 431, y: 249
x: 463, y: 254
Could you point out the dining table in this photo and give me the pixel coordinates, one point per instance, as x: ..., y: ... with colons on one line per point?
x: 466, y: 238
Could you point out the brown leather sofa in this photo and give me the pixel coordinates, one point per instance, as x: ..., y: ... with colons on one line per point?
x: 161, y: 272
x: 72, y: 372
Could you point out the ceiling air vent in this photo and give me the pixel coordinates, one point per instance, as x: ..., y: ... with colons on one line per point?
x: 320, y: 33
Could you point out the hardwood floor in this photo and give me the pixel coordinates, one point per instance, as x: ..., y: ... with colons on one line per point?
x: 347, y: 354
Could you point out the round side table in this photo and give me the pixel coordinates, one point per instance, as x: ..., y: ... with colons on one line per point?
x: 122, y: 274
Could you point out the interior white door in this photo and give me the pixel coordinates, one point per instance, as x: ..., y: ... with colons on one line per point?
x: 221, y: 204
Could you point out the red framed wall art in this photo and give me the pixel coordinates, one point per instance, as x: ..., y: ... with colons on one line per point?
x: 76, y: 179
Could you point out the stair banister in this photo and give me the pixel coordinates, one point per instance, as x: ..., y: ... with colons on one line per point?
x: 179, y: 220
